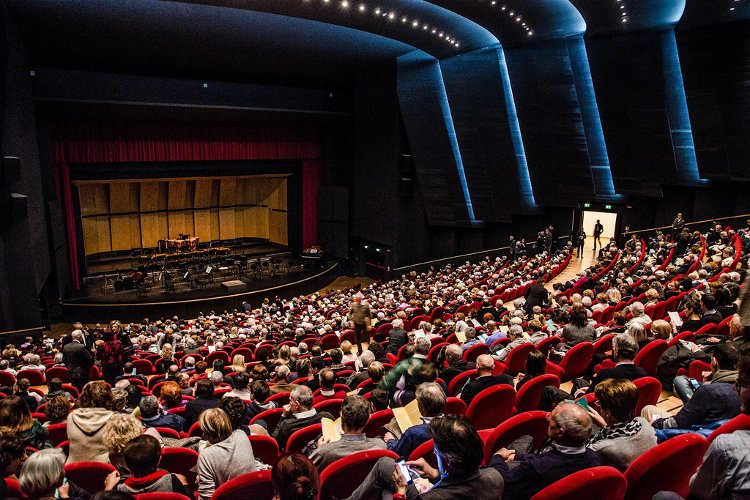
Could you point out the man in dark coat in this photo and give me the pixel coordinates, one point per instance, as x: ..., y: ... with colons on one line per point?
x: 397, y: 337
x: 536, y: 295
x: 484, y: 379
x: 78, y: 360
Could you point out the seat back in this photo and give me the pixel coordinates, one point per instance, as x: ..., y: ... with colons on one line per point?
x: 604, y: 344
x: 739, y: 423
x: 180, y: 461
x: 649, y: 392
x: 88, y: 475
x: 576, y: 361
x: 156, y: 495
x: 299, y: 438
x: 530, y: 394
x: 58, y: 433
x: 597, y: 482
x: 256, y: 484
x: 648, y: 357
x: 460, y: 380
x: 434, y: 351
x: 143, y: 367
x: 666, y: 467
x: 213, y: 356
x: 281, y: 398
x: 454, y: 406
x: 516, y: 359
x: 265, y: 449
x: 607, y: 314
x: 270, y: 417
x: 425, y: 450
x: 546, y: 344
x: 530, y: 423
x: 329, y: 341
x: 342, y: 477
x: 374, y: 427
x: 59, y: 372
x: 332, y: 406
x: 491, y: 406
x: 35, y: 377
x: 473, y: 352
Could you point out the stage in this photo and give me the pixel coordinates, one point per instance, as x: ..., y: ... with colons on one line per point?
x: 187, y: 302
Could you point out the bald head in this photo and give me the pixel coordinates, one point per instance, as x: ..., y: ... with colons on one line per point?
x: 569, y: 425
x: 485, y: 364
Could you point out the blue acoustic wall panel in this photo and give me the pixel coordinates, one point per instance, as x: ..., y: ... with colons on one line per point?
x: 642, y: 104
x: 473, y: 83
x: 603, y: 184
x: 433, y: 142
x: 551, y: 122
x: 716, y: 72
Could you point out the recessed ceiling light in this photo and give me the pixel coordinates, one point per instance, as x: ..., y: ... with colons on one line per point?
x: 391, y: 15
x: 377, y: 11
x: 510, y: 13
x: 434, y: 30
x: 425, y: 27
x: 503, y: 7
x: 403, y: 19
x: 362, y: 7
x: 415, y: 23
x: 345, y: 4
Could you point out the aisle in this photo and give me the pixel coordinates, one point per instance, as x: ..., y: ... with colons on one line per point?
x: 576, y: 265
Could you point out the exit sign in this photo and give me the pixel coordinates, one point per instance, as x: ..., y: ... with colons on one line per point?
x: 607, y: 207
x: 587, y: 205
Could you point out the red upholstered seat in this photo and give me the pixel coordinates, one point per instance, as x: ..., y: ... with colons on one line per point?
x: 341, y: 478
x: 454, y: 406
x: 648, y: 357
x: 332, y: 406
x: 604, y: 344
x: 168, y: 432
x: 460, y: 380
x: 88, y: 475
x: 257, y: 485
x: 35, y: 377
x: 739, y: 423
x: 58, y: 372
x: 7, y: 379
x: 265, y: 449
x: 473, y: 352
x: 574, y: 363
x: 58, y: 433
x: 281, y: 398
x: 649, y: 392
x: 545, y: 345
x: 271, y: 417
x: 425, y: 450
x: 516, y: 359
x: 180, y: 461
x: 530, y: 423
x: 530, y: 394
x: 435, y: 350
x: 491, y: 406
x: 299, y: 438
x: 378, y: 419
x: 160, y: 496
x: 329, y: 341
x: 666, y: 467
x: 606, y: 483
x: 143, y: 367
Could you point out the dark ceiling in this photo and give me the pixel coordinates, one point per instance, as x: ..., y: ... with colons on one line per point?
x: 316, y: 43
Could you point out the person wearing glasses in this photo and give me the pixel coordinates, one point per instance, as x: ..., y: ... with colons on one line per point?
x: 725, y: 472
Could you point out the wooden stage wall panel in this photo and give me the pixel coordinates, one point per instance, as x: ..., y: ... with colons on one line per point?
x: 125, y: 215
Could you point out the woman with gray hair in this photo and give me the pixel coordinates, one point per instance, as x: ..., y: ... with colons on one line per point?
x: 43, y: 477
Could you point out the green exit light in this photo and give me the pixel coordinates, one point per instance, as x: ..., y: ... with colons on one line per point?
x: 587, y: 205
x: 607, y: 207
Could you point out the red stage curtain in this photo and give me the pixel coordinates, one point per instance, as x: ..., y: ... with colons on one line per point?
x: 123, y: 141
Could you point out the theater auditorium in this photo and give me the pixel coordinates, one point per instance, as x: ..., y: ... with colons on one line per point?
x: 356, y: 249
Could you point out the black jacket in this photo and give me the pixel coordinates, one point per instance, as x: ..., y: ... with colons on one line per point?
x: 536, y: 295
x: 78, y: 360
x: 479, y: 384
x: 627, y: 371
x: 397, y: 338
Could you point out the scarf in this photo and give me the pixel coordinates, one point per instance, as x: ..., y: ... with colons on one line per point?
x: 623, y: 429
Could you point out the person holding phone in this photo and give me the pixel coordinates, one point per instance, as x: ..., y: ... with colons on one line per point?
x: 459, y: 453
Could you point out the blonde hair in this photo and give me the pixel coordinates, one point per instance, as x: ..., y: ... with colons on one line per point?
x: 661, y: 329
x: 119, y: 429
x: 238, y: 363
x: 215, y: 425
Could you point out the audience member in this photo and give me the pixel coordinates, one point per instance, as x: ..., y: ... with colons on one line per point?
x: 485, y: 364
x: 297, y: 414
x: 86, y: 424
x: 355, y: 412
x: 430, y: 401
x: 295, y: 478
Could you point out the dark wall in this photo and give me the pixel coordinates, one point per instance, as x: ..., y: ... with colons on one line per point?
x: 551, y: 122
x: 477, y: 101
x: 24, y: 232
x: 716, y: 70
